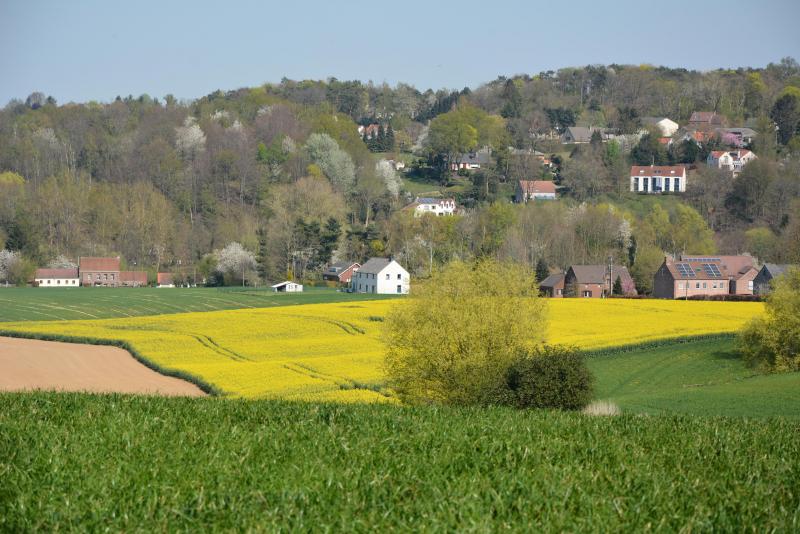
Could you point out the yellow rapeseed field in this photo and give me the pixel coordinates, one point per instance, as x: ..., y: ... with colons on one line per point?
x: 334, y: 351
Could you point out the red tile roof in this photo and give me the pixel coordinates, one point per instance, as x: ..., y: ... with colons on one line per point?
x: 99, y: 264
x: 56, y: 273
x: 537, y: 186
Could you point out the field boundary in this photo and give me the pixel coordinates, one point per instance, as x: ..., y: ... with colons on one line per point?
x: 204, y: 386
x: 633, y: 347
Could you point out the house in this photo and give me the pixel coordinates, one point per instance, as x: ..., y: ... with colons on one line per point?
x: 287, y: 287
x: 165, y: 280
x: 658, y: 179
x: 705, y: 120
x: 341, y: 271
x: 369, y: 132
x: 730, y: 160
x: 595, y: 281
x: 762, y: 283
x: 56, y: 278
x: 582, y: 134
x: 682, y: 279
x: 105, y: 272
x: 666, y: 126
x: 737, y: 137
x: 740, y: 270
x: 471, y: 161
x: 552, y: 286
x: 535, y: 190
x: 381, y: 276
x: 433, y: 206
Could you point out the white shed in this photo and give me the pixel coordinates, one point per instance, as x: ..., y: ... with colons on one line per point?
x: 381, y: 275
x: 288, y: 287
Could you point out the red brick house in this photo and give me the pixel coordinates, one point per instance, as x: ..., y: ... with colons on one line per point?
x: 594, y: 281
x: 105, y: 272
x: 553, y: 286
x: 341, y: 271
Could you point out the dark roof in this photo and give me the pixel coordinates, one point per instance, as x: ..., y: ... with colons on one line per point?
x: 553, y: 280
x: 703, y: 269
x: 596, y: 274
x: 480, y: 157
x: 340, y: 266
x: 734, y: 265
x: 776, y: 269
x: 374, y: 265
x: 56, y: 273
x: 99, y: 264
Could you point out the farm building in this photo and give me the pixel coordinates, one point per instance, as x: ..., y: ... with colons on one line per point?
x: 553, y: 286
x: 287, y: 287
x: 105, y: 272
x: 165, y: 280
x: 341, y: 271
x: 595, y: 281
x: 535, y: 190
x: 56, y: 278
x: 381, y: 276
x: 762, y: 283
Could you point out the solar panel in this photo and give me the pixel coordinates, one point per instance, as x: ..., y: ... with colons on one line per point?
x: 712, y: 270
x: 686, y: 270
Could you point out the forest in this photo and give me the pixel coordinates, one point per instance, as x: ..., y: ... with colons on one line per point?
x: 283, y: 170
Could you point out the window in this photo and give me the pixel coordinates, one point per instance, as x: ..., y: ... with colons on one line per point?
x: 112, y: 276
x: 559, y: 291
x: 666, y: 184
x: 635, y: 183
x: 88, y: 277
x: 722, y: 285
x: 587, y: 293
x: 98, y: 277
x: 677, y: 185
x: 49, y: 282
x: 750, y: 285
x: 399, y: 288
x: 705, y: 285
x: 399, y: 277
x: 645, y: 184
x: 714, y: 285
x: 58, y: 282
x: 388, y: 276
x: 697, y: 285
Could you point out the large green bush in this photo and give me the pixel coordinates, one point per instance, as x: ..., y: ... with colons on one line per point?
x: 548, y: 377
x: 772, y: 342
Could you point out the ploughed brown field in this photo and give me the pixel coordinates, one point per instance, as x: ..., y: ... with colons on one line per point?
x: 28, y: 364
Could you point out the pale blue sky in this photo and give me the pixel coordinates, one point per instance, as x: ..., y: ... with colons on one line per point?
x: 97, y: 49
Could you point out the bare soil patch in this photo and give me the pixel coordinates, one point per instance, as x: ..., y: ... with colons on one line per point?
x: 28, y: 364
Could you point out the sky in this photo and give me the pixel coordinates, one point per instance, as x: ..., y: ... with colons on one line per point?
x: 86, y: 50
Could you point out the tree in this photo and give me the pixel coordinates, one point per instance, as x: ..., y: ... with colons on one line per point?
x: 649, y: 151
x: 542, y: 270
x: 498, y: 313
x: 335, y: 163
x: 772, y: 342
x: 236, y: 262
x: 512, y: 108
x: 786, y: 115
x: 617, y: 289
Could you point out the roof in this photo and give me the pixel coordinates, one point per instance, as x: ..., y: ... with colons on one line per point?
x: 735, y: 154
x: 286, y: 283
x: 98, y: 264
x: 480, y: 157
x: 164, y: 278
x: 656, y: 120
x: 777, y: 269
x: 584, y: 134
x: 743, y: 131
x: 531, y: 187
x: 710, y: 269
x: 56, y: 273
x: 658, y: 170
x: 374, y: 265
x: 553, y: 280
x: 734, y: 265
x: 438, y: 201
x: 596, y: 274
x: 133, y: 276
x: 340, y: 266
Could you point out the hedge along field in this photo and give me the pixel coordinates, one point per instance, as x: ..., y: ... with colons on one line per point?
x: 127, y: 463
x: 334, y: 351
x: 52, y: 304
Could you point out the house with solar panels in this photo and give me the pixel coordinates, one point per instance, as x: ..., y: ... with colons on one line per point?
x: 691, y: 277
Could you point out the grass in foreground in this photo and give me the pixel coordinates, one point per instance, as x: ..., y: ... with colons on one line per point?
x: 57, y: 304
x: 706, y: 377
x: 335, y: 352
x: 121, y: 463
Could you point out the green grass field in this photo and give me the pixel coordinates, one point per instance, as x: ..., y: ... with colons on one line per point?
x: 704, y: 377
x: 123, y: 463
x: 50, y: 304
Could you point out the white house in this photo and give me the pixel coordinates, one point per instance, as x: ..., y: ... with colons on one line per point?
x: 434, y: 206
x: 731, y: 160
x: 658, y: 179
x: 666, y: 126
x: 287, y: 287
x: 471, y: 161
x: 381, y: 275
x: 57, y: 278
